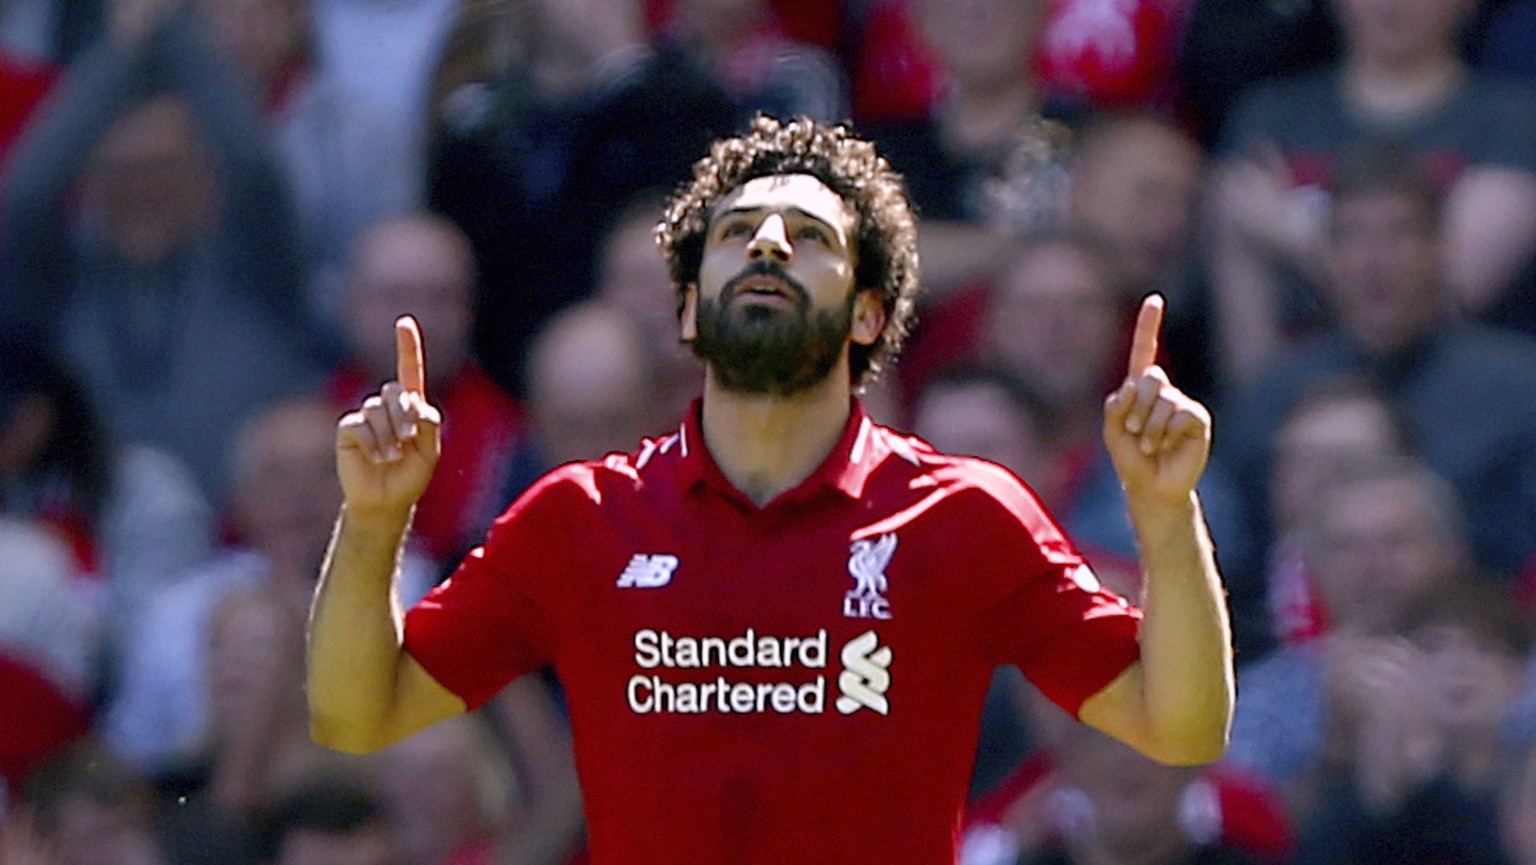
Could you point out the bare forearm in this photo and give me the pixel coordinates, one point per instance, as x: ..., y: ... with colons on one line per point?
x: 355, y: 635
x: 1186, y: 639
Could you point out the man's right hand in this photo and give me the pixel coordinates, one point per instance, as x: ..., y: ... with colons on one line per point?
x: 386, y: 450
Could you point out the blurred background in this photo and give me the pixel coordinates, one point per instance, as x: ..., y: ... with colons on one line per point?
x: 211, y: 211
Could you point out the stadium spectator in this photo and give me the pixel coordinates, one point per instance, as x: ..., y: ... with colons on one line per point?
x: 1083, y: 797
x: 449, y: 793
x: 745, y: 49
x: 332, y: 820
x: 980, y: 165
x: 1380, y: 538
x: 420, y: 263
x: 47, y: 644
x: 1336, y: 424
x: 1468, y: 391
x: 532, y: 164
x: 1401, y: 81
x: 256, y: 746
x: 1057, y: 320
x: 384, y: 56
x: 633, y: 280
x: 1422, y: 719
x: 1228, y: 46
x: 88, y: 808
x: 174, y: 288
x: 591, y: 390
x: 133, y: 516
x: 284, y: 497
x: 345, y: 166
x: 1136, y: 181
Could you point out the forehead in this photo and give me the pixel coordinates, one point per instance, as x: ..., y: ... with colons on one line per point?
x: 778, y: 192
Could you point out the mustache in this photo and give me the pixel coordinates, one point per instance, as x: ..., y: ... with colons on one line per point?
x: 764, y: 268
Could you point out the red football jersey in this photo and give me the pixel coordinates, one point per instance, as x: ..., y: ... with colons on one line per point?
x: 799, y: 682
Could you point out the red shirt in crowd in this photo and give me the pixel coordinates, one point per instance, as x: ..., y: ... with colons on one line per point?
x: 482, y: 428
x: 799, y: 682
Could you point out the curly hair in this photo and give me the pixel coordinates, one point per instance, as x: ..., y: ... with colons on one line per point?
x: 885, y: 240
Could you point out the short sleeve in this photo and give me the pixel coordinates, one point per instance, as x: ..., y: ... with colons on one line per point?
x: 1069, y: 634
x: 493, y: 619
x: 1051, y: 616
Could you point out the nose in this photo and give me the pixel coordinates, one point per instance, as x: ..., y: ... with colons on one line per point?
x: 771, y: 241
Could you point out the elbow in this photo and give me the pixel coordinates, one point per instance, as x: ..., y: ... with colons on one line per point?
x: 1197, y: 745
x: 1193, y: 753
x: 339, y: 735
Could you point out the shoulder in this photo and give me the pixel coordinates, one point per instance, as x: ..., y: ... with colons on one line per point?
x: 987, y: 497
x: 599, y: 482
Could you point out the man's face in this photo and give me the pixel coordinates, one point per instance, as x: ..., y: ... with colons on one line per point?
x: 776, y: 298
x: 407, y: 266
x: 1378, y: 550
x: 1385, y: 269
x: 287, y: 491
x: 150, y: 180
x: 1054, y: 323
x: 1139, y: 191
x: 1313, y: 446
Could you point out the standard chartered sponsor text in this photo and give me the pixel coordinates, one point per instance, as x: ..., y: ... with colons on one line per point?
x: 660, y: 651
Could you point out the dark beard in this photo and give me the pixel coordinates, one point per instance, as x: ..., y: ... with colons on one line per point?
x: 770, y: 350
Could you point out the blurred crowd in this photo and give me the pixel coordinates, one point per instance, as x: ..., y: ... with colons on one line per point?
x: 212, y: 210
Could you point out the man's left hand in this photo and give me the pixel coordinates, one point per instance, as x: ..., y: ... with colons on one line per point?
x: 1158, y: 438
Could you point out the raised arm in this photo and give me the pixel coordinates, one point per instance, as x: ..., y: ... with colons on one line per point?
x: 1175, y: 704
x: 364, y: 691
x: 35, y: 254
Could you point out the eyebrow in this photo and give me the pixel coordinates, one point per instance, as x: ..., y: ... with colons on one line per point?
x: 803, y: 213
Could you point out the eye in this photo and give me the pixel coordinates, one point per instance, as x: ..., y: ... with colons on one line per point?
x: 813, y: 233
x: 735, y: 228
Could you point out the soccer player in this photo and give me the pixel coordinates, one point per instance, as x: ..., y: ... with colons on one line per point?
x: 775, y: 624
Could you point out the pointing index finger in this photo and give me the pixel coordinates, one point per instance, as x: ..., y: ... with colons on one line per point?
x: 1149, y: 321
x: 409, y: 363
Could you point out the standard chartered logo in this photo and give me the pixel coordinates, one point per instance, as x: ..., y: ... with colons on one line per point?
x: 866, y: 675
x: 862, y: 683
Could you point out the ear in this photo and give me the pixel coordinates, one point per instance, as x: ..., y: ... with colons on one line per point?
x: 688, y: 316
x: 868, y: 317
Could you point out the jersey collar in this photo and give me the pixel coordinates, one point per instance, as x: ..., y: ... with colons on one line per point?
x: 845, y: 470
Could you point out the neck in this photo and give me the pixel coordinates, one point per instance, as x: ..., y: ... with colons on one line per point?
x: 1385, y: 89
x: 766, y: 445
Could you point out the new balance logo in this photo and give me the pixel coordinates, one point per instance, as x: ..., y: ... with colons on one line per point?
x: 866, y: 675
x: 647, y: 571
